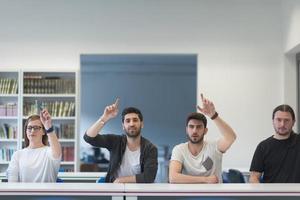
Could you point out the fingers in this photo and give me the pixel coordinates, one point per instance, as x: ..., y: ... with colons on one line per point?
x: 199, y: 108
x: 117, y: 102
x: 45, y: 114
x: 113, y: 108
x: 204, y: 100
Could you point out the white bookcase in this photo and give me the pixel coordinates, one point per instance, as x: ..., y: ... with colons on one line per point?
x: 55, y: 91
x: 9, y: 112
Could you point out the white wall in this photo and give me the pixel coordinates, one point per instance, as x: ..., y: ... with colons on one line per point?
x: 239, y: 44
x: 291, y: 22
x: 291, y: 16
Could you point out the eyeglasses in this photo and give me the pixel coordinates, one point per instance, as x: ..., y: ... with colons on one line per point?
x: 33, y: 128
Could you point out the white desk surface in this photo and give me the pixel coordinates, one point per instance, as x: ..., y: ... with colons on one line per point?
x: 164, y: 189
x: 156, y: 189
x: 81, y: 175
x: 73, y: 175
x: 62, y: 189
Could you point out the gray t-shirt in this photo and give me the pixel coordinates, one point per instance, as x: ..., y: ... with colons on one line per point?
x: 207, y: 162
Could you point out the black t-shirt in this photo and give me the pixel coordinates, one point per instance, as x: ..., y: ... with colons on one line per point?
x: 278, y: 160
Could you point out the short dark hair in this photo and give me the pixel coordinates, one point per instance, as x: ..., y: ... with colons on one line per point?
x: 197, y: 116
x: 33, y: 118
x: 284, y: 108
x: 131, y: 110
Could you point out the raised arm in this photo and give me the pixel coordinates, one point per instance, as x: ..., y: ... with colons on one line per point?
x: 228, y: 135
x: 53, y: 140
x: 176, y: 176
x: 110, y: 112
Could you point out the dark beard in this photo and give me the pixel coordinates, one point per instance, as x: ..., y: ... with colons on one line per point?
x: 197, y: 141
x: 133, y: 135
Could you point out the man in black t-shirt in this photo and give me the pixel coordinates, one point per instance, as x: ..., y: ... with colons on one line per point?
x: 277, y: 158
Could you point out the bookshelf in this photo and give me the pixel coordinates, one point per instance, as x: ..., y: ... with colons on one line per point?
x: 9, y: 106
x: 55, y: 91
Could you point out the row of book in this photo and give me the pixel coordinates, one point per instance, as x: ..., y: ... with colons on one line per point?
x: 9, y: 109
x: 67, y: 153
x: 65, y: 131
x: 55, y: 108
x: 6, y: 154
x: 8, y: 86
x: 8, y: 131
x: 65, y: 169
x: 48, y: 85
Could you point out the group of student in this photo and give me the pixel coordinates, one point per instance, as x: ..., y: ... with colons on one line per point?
x: 133, y: 158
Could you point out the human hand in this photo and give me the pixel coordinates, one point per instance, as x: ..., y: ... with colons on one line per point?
x: 208, y: 107
x: 46, y: 119
x: 111, y: 111
x: 117, y: 180
x: 212, y: 179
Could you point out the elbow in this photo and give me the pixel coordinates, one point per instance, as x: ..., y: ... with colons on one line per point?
x: 172, y: 178
x: 234, y: 138
x: 145, y: 178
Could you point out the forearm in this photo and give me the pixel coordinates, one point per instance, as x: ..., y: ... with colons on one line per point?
x: 54, y: 145
x: 182, y: 178
x: 253, y: 179
x: 126, y: 179
x: 225, y: 129
x: 12, y: 175
x: 96, y: 127
x: 228, y: 134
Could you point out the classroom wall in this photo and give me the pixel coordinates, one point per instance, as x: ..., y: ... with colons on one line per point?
x: 239, y: 47
x: 291, y: 23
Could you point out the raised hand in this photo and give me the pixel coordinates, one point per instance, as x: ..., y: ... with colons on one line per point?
x: 46, y: 119
x: 207, y: 108
x: 111, y: 111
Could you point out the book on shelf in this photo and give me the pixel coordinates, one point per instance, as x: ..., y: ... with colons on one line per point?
x: 8, y: 86
x: 8, y: 131
x: 65, y: 131
x: 68, y: 153
x: 38, y: 84
x: 6, y: 154
x: 55, y: 108
x: 9, y: 109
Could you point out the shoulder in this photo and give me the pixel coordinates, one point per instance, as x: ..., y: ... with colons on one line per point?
x: 266, y: 142
x: 211, y: 147
x: 208, y: 144
x: 17, y: 154
x: 147, y: 143
x: 181, y: 147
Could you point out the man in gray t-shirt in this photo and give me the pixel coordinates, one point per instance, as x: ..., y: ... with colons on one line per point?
x: 199, y: 161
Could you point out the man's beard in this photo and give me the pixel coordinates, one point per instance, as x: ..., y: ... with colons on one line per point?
x: 285, y: 132
x: 133, y: 133
x: 198, y: 141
